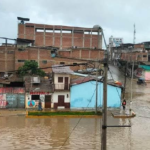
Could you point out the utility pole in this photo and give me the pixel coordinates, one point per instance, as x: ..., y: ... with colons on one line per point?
x: 131, y: 85
x: 104, y: 110
x: 125, y: 80
x: 96, y: 90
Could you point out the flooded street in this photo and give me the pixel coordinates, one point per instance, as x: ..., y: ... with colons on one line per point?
x: 20, y: 133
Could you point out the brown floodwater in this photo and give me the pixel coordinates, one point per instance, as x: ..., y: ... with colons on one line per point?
x: 20, y: 133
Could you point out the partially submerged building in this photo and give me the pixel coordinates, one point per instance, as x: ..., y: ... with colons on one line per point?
x: 48, y: 45
x: 83, y: 94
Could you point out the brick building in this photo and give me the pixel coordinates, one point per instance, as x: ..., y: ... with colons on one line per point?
x: 135, y: 56
x: 11, y: 58
x: 60, y: 36
x: 36, y: 42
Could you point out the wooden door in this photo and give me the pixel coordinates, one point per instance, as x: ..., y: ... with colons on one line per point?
x: 47, y: 101
x: 66, y: 83
x: 61, y: 100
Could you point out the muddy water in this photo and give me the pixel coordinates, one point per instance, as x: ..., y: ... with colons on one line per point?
x: 20, y: 133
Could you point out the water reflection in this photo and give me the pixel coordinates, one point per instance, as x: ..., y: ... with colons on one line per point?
x: 20, y: 133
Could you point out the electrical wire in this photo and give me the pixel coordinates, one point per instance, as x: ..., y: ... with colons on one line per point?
x: 52, y: 67
x: 77, y: 122
x: 116, y: 87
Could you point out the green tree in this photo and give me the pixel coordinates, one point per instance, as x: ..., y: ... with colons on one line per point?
x: 30, y: 67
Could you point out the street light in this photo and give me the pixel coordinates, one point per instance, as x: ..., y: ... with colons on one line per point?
x: 104, y: 110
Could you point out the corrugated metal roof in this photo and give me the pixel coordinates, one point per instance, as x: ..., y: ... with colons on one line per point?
x: 81, y: 80
x: 61, y: 69
x: 87, y: 79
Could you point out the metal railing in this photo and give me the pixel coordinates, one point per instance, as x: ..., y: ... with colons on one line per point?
x: 62, y: 86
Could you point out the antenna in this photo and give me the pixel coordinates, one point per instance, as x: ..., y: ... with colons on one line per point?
x: 134, y: 34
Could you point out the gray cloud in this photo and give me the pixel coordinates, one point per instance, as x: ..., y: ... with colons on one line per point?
x: 116, y: 17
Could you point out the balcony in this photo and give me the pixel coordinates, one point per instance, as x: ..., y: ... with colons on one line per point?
x: 61, y: 87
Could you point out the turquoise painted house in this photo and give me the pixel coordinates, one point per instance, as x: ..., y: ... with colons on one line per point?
x: 83, y: 94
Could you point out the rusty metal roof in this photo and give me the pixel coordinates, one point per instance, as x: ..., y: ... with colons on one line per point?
x: 61, y: 69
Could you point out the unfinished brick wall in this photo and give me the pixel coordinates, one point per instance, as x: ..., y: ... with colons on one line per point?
x: 139, y: 46
x: 7, y: 59
x: 11, y: 58
x: 60, y: 36
x: 43, y: 57
x: 135, y: 56
x: 89, y: 54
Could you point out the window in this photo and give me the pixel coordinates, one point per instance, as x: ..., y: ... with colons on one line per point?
x: 75, y: 64
x: 49, y: 30
x: 87, y: 32
x: 66, y: 31
x: 94, y: 33
x: 144, y: 55
x: 60, y: 79
x: 57, y: 31
x: 44, y: 61
x: 10, y: 52
x: 62, y: 63
x: 21, y: 60
x: 21, y: 49
x: 35, y: 97
x: 32, y: 60
x: 39, y: 30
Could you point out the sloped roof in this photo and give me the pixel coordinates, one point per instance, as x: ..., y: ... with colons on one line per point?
x: 87, y: 79
x: 81, y: 80
x: 61, y: 69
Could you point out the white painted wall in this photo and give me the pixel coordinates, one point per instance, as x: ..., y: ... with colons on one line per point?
x: 28, y: 98
x: 55, y: 96
x: 59, y: 85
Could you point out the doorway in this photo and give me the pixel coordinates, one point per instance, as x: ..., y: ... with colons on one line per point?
x: 47, y: 101
x: 66, y: 84
x: 61, y: 100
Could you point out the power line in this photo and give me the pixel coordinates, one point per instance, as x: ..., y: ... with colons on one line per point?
x: 53, y: 67
x: 116, y: 87
x: 77, y: 122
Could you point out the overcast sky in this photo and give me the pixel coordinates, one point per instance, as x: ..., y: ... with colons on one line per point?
x: 116, y: 17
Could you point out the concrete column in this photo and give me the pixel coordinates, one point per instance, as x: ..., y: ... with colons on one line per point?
x: 73, y: 37
x: 18, y: 29
x: 53, y: 35
x: 44, y: 36
x: 61, y: 38
x: 24, y: 31
x: 38, y: 57
x: 91, y: 39
x: 99, y: 40
x: 34, y: 32
x: 71, y: 53
x: 6, y: 58
x: 89, y: 54
x: 80, y: 54
x: 83, y: 39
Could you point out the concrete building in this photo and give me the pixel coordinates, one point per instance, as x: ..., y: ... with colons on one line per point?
x: 61, y: 95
